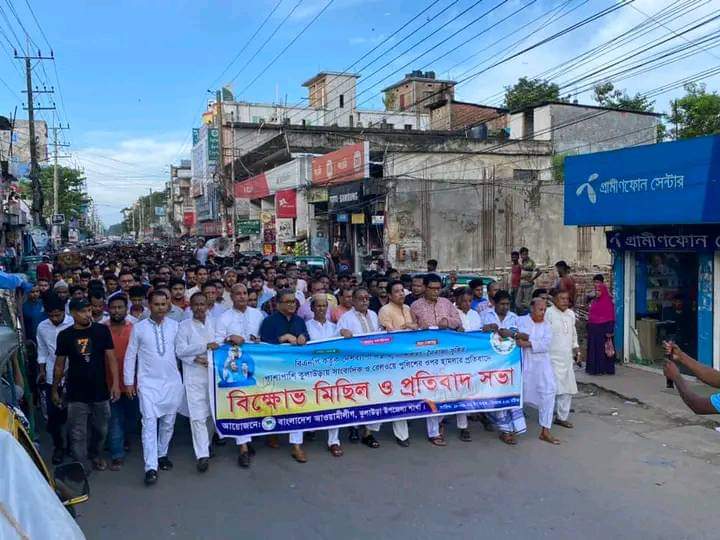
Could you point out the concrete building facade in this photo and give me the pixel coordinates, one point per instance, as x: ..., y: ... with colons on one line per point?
x: 417, y: 91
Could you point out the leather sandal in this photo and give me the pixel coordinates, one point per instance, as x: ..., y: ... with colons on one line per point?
x: 335, y: 450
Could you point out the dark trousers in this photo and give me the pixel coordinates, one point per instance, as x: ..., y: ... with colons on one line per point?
x: 57, y: 418
x: 78, y: 415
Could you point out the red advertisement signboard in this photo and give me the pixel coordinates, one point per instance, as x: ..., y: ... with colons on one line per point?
x: 350, y: 163
x: 188, y: 219
x: 255, y: 187
x: 286, y: 203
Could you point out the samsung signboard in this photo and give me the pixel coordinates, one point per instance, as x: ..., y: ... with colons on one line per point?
x: 668, y: 183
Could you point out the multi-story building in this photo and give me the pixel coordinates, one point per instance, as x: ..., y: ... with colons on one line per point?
x: 417, y: 91
x: 181, y: 207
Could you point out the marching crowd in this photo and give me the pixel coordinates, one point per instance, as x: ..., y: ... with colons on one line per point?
x: 123, y: 339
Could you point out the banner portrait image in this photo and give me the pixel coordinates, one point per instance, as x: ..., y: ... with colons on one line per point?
x: 258, y: 388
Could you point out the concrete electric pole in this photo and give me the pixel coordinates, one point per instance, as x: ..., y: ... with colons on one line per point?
x: 37, y: 200
x: 56, y: 229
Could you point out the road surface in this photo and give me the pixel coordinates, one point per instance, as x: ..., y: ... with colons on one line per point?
x: 623, y: 472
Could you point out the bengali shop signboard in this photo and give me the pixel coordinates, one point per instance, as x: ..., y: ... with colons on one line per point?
x: 350, y: 163
x: 669, y: 183
x: 261, y: 388
x: 255, y: 187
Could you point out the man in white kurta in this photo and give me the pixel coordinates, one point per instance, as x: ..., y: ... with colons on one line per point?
x: 159, y: 387
x: 356, y: 322
x: 194, y: 339
x: 236, y: 326
x: 534, y: 336
x: 563, y: 347
x: 320, y: 328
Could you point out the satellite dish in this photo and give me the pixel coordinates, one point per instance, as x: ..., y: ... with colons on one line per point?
x: 223, y: 247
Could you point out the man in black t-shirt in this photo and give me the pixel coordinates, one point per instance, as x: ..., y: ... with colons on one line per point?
x: 89, y: 349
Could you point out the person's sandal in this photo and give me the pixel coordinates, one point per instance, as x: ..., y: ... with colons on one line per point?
x: 99, y: 464
x: 508, y: 438
x: 370, y: 441
x: 116, y: 464
x: 335, y: 450
x: 438, y: 441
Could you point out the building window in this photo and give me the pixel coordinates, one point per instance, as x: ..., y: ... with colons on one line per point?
x: 529, y: 124
x: 351, y: 120
x: 402, y: 102
x: 258, y: 119
x: 342, y: 100
x: 408, y: 127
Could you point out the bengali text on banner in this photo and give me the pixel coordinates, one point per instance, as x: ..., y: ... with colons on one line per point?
x: 261, y: 388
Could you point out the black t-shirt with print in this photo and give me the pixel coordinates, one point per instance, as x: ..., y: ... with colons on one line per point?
x: 85, y: 351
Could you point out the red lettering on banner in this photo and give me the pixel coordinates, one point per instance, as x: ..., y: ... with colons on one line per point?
x: 238, y: 398
x: 386, y: 387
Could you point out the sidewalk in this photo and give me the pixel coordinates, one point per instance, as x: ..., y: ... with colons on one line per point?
x: 648, y: 388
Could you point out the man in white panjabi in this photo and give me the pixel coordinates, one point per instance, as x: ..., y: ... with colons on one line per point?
x: 358, y: 321
x: 159, y: 387
x: 534, y: 337
x: 563, y: 348
x: 195, y: 337
x: 320, y: 328
x: 236, y: 326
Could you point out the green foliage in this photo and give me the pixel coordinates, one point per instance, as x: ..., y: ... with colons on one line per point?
x: 606, y: 95
x: 389, y: 100
x: 116, y: 229
x: 73, y: 201
x: 528, y: 92
x: 558, y: 166
x: 696, y: 113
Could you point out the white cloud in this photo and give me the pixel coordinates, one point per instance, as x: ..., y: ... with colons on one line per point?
x: 118, y: 173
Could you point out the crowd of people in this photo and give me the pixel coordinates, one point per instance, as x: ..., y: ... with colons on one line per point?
x: 123, y: 337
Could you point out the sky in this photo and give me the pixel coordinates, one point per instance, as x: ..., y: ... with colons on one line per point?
x: 133, y: 76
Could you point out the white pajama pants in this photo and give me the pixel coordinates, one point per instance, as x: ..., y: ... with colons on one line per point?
x: 242, y: 439
x: 156, y: 435
x: 562, y: 406
x: 296, y: 437
x: 333, y: 436
x: 201, y: 430
x: 433, y: 424
x: 400, y: 429
x: 546, y: 409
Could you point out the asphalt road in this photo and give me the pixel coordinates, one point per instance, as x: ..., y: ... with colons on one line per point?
x: 613, y: 477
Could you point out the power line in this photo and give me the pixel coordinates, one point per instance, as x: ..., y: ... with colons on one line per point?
x: 267, y: 40
x: 245, y: 46
x: 308, y: 25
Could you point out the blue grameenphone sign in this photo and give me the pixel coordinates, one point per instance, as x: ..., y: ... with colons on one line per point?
x: 668, y: 183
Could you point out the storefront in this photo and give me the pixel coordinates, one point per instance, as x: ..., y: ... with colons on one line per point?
x: 663, y: 204
x: 348, y: 204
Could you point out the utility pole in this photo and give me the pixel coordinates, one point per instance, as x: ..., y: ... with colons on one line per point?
x: 38, y: 201
x: 221, y: 165
x: 56, y: 229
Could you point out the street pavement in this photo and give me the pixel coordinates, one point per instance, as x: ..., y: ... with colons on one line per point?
x: 625, y: 471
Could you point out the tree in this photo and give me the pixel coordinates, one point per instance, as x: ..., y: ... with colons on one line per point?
x: 73, y: 200
x: 528, y: 92
x: 696, y: 113
x: 606, y: 95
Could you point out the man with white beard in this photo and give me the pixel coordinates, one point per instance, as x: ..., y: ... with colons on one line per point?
x: 159, y: 387
x: 195, y: 337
